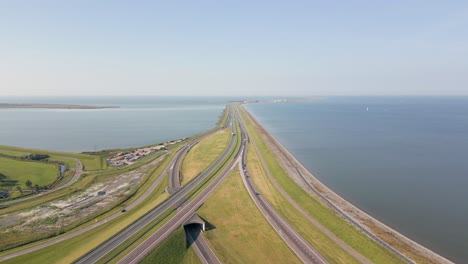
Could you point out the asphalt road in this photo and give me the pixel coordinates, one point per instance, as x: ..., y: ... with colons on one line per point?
x: 174, y: 176
x: 66, y: 236
x: 175, y: 200
x: 298, y: 167
x: 296, y: 242
x: 291, y: 237
x: 202, y: 249
x: 183, y: 215
x: 76, y: 176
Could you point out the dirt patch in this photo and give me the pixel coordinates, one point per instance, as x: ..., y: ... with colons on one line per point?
x: 396, y: 240
x: 58, y: 214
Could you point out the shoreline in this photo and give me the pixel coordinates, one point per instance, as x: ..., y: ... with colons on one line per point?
x: 52, y: 106
x: 389, y: 236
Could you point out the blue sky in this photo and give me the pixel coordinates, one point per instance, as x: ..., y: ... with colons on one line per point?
x: 233, y: 48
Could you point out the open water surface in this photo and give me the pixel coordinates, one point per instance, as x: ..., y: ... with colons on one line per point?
x: 404, y: 160
x: 139, y: 121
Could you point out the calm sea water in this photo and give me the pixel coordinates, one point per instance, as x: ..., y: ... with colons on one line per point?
x: 404, y: 160
x: 139, y: 121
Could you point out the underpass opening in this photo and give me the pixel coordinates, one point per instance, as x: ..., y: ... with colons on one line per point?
x: 196, y: 220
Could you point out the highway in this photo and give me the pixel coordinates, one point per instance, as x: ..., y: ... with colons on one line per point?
x: 140, y: 199
x: 298, y: 168
x: 305, y: 252
x: 183, y: 214
x: 174, y: 176
x: 178, y: 203
x: 313, y: 221
x: 176, y: 199
x: 295, y: 241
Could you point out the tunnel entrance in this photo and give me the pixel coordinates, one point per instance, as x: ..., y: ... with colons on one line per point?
x: 196, y: 220
x: 193, y: 228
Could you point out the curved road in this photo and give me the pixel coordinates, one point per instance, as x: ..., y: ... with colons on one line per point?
x: 183, y: 214
x: 76, y: 176
x: 313, y: 221
x: 295, y: 241
x: 103, y: 221
x: 298, y: 167
x: 176, y: 200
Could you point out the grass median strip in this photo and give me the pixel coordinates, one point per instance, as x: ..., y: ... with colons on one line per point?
x: 349, y: 234
x: 326, y: 247
x: 240, y: 232
x: 203, y: 154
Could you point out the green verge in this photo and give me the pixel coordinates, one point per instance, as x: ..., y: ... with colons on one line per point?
x: 128, y: 245
x: 199, y: 188
x: 140, y: 236
x: 240, y: 233
x: 349, y: 234
x: 19, y: 171
x: 70, y: 168
x: 90, y: 162
x: 203, y: 154
x: 71, y: 249
x: 137, y: 191
x: 327, y: 248
x: 83, y: 243
x: 173, y: 250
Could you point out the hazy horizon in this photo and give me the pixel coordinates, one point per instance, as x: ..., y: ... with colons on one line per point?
x: 209, y: 48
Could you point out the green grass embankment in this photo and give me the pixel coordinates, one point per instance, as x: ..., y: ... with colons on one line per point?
x: 73, y: 248
x: 90, y: 162
x: 343, y: 230
x: 19, y: 171
x: 241, y: 234
x: 203, y: 154
x: 12, y: 239
x: 173, y: 250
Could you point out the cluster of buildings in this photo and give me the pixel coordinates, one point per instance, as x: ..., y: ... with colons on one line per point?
x: 129, y: 157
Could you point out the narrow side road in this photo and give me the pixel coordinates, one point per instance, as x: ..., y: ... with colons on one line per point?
x: 203, y: 251
x: 76, y: 175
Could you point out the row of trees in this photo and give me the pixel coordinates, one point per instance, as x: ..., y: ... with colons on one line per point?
x: 33, y: 187
x: 36, y: 156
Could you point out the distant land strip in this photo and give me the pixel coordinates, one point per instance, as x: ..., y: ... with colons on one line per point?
x: 53, y: 106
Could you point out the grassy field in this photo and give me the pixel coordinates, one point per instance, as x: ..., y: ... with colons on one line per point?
x: 349, y: 234
x: 203, y: 154
x: 13, y: 153
x: 73, y: 248
x: 328, y: 248
x: 153, y: 172
x: 90, y: 162
x: 241, y: 234
x: 19, y: 171
x: 173, y: 250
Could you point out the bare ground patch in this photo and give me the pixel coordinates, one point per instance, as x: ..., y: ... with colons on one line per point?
x: 55, y: 216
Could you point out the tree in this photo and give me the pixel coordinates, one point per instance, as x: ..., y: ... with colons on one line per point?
x: 36, y: 188
x: 18, y: 188
x: 2, y: 177
x: 29, y: 184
